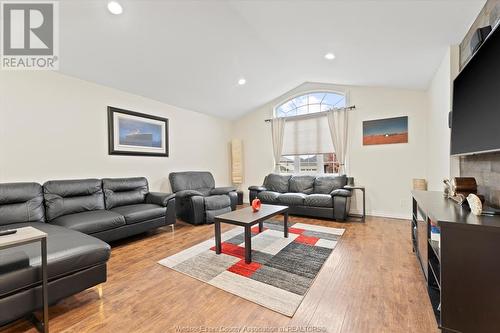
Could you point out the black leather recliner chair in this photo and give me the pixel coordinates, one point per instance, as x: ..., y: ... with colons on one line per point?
x: 323, y: 196
x: 197, y: 200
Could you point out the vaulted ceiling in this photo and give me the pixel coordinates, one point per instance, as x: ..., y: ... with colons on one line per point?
x: 192, y: 53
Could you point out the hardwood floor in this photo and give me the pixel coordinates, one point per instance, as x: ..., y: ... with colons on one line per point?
x: 370, y: 283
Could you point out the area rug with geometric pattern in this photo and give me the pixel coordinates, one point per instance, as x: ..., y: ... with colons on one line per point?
x: 282, y: 269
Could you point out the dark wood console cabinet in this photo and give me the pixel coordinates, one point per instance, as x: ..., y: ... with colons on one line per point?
x: 462, y: 270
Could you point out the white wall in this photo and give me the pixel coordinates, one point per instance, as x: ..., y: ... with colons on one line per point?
x: 386, y: 170
x: 439, y: 163
x: 55, y: 127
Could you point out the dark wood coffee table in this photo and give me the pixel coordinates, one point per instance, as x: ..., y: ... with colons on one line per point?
x: 245, y: 217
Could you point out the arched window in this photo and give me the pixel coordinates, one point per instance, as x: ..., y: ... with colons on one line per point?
x: 310, y: 103
x: 299, y: 156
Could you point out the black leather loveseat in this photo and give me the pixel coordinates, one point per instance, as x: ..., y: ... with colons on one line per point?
x: 76, y: 215
x: 198, y: 201
x: 317, y: 196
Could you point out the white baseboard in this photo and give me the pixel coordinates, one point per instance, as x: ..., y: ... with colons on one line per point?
x: 384, y: 214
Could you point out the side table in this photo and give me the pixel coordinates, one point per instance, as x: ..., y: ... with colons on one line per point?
x: 24, y: 236
x: 362, y: 189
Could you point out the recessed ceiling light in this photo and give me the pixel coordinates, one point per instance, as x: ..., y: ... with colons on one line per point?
x: 242, y: 81
x: 329, y: 56
x: 115, y: 8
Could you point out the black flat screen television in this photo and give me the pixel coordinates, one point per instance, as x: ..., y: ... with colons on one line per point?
x: 475, y: 117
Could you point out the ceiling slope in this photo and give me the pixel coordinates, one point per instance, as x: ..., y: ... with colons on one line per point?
x: 192, y: 53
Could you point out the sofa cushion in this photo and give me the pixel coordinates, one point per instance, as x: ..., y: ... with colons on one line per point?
x: 268, y: 196
x: 124, y: 191
x: 140, y: 212
x: 205, y: 191
x: 191, y: 180
x: 302, y: 184
x: 326, y: 184
x: 68, y: 251
x: 294, y: 199
x: 319, y: 200
x: 277, y: 183
x: 216, y: 202
x: 91, y: 222
x: 63, y: 197
x: 21, y: 202
x: 14, y: 261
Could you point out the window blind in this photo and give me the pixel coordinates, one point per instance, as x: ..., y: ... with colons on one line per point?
x: 304, y: 136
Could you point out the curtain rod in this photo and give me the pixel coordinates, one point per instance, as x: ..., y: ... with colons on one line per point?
x: 352, y: 107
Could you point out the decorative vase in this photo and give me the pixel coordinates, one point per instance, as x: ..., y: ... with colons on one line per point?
x: 475, y: 204
x: 256, y: 205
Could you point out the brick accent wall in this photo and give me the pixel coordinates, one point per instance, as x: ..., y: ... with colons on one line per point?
x: 486, y: 169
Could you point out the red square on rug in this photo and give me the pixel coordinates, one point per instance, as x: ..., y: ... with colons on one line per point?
x: 296, y: 231
x: 232, y: 250
x: 244, y: 269
x: 306, y: 240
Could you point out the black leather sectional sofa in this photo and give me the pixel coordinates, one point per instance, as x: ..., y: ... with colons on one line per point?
x: 77, y: 216
x: 321, y: 196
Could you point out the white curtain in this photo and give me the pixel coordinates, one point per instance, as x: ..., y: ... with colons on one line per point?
x: 307, y: 135
x: 277, y: 131
x: 338, y: 121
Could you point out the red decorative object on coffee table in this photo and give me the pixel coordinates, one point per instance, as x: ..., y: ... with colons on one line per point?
x: 256, y: 204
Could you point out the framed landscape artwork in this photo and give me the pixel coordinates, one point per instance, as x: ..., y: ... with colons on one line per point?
x: 133, y: 133
x: 385, y: 131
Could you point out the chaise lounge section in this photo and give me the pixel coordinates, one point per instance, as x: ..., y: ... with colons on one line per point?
x: 323, y: 196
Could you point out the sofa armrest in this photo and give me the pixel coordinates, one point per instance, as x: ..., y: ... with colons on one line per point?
x: 187, y: 193
x: 254, y: 191
x: 222, y: 190
x: 341, y: 193
x: 257, y: 188
x: 159, y: 198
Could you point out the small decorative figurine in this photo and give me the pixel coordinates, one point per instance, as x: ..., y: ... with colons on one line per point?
x: 447, y: 188
x: 475, y: 204
x: 256, y: 205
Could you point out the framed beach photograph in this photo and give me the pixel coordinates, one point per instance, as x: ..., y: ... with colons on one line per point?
x: 385, y: 131
x: 133, y: 133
